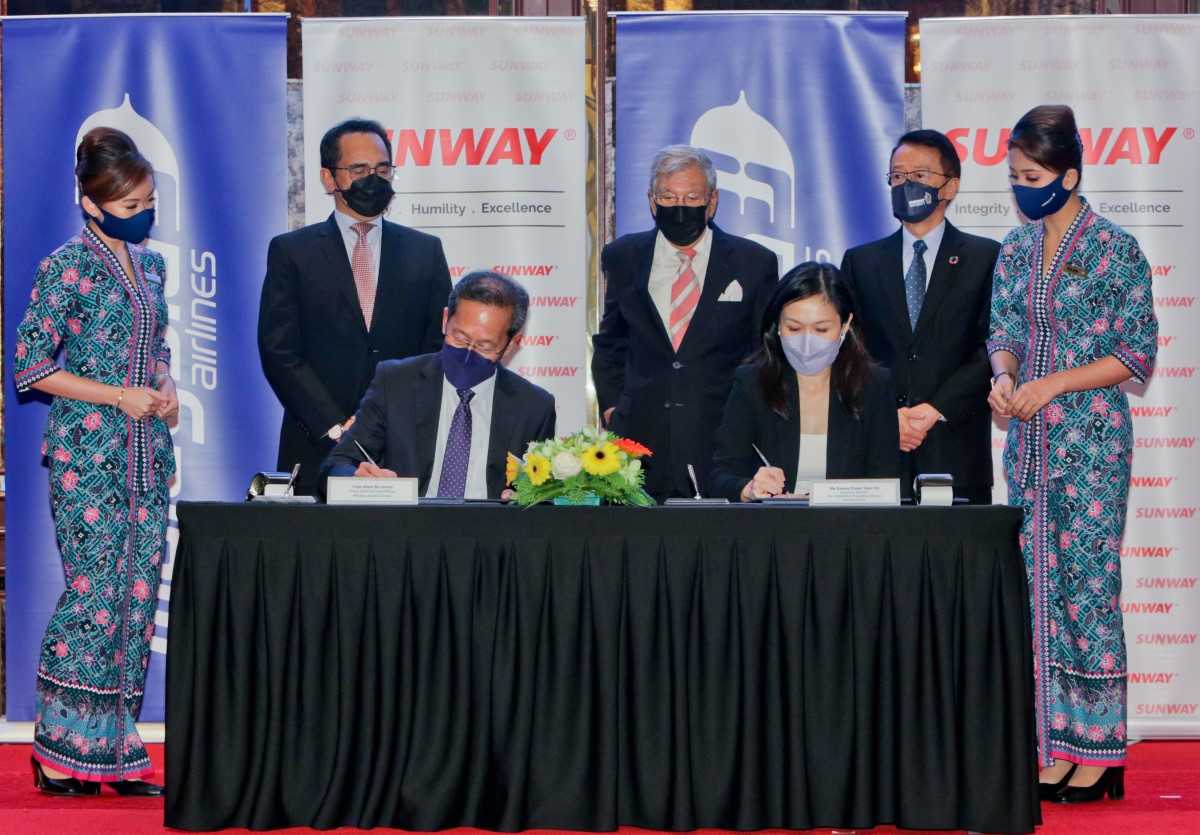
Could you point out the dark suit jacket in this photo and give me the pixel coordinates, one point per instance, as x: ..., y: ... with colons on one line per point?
x: 397, y: 422
x: 315, y: 348
x: 865, y: 448
x: 944, y: 362
x: 672, y: 402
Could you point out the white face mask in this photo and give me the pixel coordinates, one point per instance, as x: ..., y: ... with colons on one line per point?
x: 810, y: 353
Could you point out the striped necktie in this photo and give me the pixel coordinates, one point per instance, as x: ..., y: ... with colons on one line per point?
x: 364, y: 271
x: 685, y: 292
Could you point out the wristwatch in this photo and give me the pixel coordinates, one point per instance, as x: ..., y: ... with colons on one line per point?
x: 335, y: 433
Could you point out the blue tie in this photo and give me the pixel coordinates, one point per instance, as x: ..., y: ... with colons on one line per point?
x: 914, y: 283
x: 453, y: 481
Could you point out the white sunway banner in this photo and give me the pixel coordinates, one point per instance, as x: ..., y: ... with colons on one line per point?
x: 488, y: 127
x: 1134, y: 84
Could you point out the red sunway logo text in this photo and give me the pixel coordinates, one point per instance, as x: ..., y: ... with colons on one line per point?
x: 1106, y: 146
x: 490, y: 146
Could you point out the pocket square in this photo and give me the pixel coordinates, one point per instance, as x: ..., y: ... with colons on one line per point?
x: 732, y: 293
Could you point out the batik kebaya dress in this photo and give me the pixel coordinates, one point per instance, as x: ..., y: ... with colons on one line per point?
x: 108, y: 491
x: 1068, y: 468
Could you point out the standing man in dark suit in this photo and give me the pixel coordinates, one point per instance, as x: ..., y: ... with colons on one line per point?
x: 342, y: 295
x: 681, y: 311
x: 451, y: 418
x: 924, y: 295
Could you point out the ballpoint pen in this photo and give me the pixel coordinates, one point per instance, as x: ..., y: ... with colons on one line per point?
x: 766, y: 463
x: 695, y: 484
x: 366, y: 454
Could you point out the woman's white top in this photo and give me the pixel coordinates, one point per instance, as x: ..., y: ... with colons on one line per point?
x: 811, y: 466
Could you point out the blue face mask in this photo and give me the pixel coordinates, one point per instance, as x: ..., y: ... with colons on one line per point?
x: 464, y: 368
x: 810, y: 353
x: 913, y: 202
x: 1036, y: 202
x: 133, y: 230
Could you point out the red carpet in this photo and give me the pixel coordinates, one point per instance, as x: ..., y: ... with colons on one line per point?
x: 1162, y: 796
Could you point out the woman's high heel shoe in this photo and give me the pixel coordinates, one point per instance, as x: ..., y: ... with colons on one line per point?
x: 1046, y: 791
x: 136, y: 788
x: 1111, y: 782
x: 61, y: 786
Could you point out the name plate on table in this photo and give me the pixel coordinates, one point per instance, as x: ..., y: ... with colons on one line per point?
x: 351, y: 490
x: 860, y: 492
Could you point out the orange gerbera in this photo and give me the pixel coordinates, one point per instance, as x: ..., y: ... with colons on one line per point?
x: 511, y: 468
x: 631, y: 447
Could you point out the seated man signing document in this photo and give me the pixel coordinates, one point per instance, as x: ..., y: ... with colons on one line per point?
x: 451, y: 418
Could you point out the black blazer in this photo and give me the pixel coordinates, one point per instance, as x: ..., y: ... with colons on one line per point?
x: 943, y: 362
x: 397, y: 422
x: 672, y: 402
x: 865, y: 448
x: 315, y: 348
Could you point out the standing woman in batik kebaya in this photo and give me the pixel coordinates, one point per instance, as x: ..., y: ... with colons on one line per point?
x: 1072, y: 319
x: 100, y: 297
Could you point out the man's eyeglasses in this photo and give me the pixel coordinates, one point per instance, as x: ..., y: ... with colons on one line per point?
x: 666, y: 198
x: 485, y: 349
x: 921, y: 175
x: 383, y: 171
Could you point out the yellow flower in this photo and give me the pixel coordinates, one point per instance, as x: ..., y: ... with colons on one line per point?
x: 602, y: 460
x: 511, y: 468
x: 537, y: 467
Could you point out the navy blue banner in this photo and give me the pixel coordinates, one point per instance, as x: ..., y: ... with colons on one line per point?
x: 204, y: 98
x: 798, y: 111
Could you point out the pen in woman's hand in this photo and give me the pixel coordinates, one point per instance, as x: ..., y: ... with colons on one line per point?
x: 766, y: 463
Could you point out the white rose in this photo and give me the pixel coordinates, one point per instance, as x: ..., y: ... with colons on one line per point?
x: 565, y: 465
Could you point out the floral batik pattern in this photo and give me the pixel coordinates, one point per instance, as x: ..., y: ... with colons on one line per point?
x: 109, y: 489
x: 1068, y: 468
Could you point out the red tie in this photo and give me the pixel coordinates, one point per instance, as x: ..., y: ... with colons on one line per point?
x: 364, y: 271
x: 685, y: 292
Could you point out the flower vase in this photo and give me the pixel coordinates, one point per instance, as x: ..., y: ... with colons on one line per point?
x: 589, y: 499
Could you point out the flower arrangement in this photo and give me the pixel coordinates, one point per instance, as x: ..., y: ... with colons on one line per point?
x: 592, y: 462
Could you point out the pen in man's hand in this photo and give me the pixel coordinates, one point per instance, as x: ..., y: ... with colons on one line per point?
x: 366, y: 454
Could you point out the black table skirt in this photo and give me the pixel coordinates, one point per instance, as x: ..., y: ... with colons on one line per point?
x: 589, y: 668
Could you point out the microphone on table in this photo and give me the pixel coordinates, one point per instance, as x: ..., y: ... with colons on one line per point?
x: 697, y: 499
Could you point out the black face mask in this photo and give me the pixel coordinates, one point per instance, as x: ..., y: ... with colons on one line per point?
x: 681, y: 225
x: 369, y: 195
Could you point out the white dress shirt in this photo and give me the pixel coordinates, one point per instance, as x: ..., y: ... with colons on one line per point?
x: 481, y: 431
x: 810, y: 465
x: 665, y: 269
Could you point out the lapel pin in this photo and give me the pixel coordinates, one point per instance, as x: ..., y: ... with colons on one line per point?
x: 953, y: 259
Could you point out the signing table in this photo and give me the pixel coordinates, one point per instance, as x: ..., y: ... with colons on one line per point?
x: 669, y: 668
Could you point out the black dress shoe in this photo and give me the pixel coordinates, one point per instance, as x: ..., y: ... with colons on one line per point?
x: 61, y: 786
x: 1111, y: 782
x: 1046, y: 791
x: 136, y: 788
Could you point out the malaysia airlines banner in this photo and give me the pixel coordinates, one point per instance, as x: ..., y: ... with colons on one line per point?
x: 1134, y: 83
x: 489, y: 132
x: 799, y: 112
x: 221, y: 175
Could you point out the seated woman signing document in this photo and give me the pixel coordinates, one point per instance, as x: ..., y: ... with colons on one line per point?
x: 811, y: 401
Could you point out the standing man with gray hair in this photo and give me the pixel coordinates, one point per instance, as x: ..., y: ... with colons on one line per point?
x: 682, y: 308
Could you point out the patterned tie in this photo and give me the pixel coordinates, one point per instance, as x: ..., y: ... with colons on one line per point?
x: 364, y: 271
x: 453, y: 481
x: 685, y: 292
x: 914, y: 282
